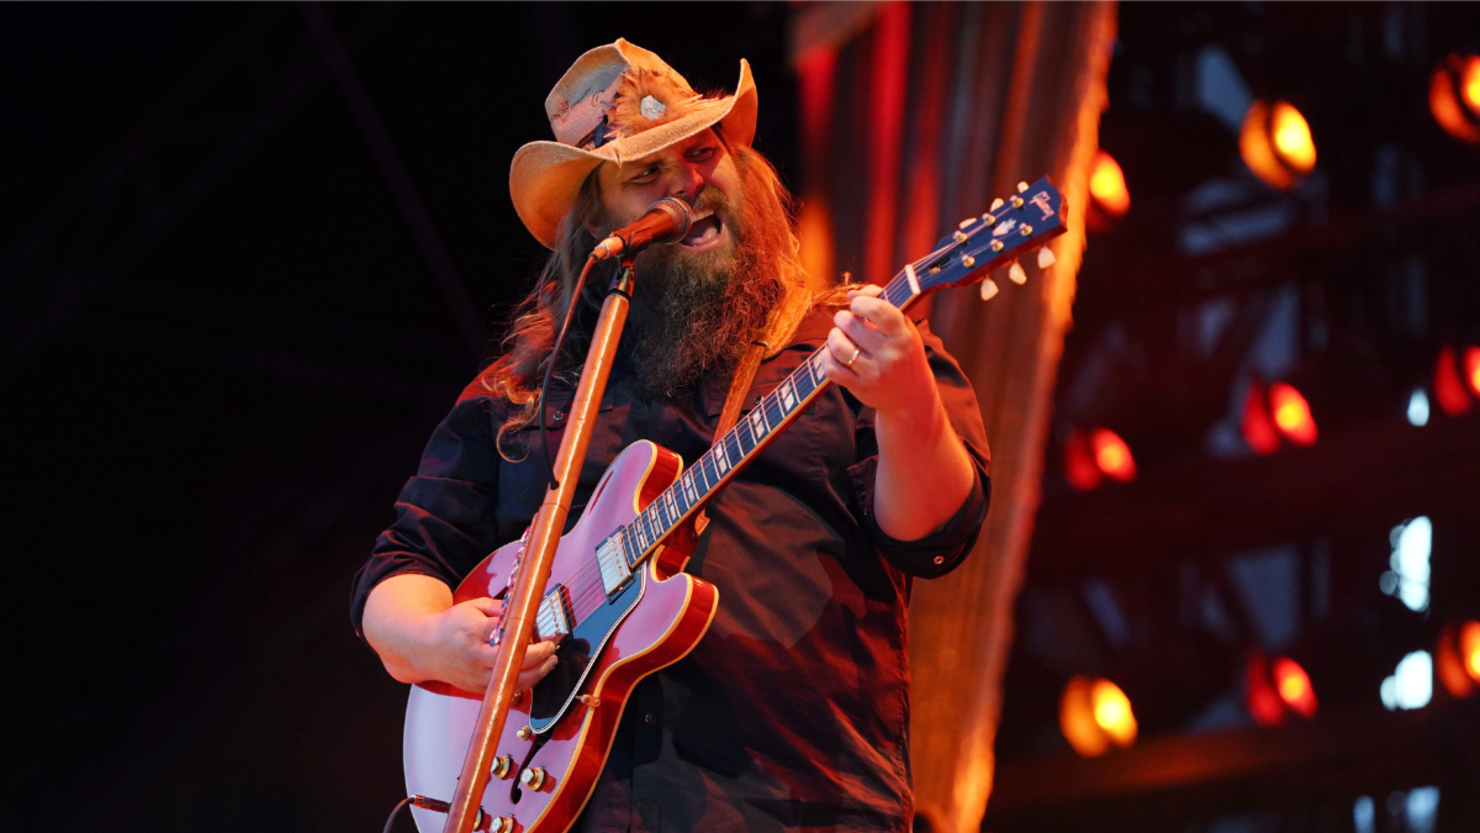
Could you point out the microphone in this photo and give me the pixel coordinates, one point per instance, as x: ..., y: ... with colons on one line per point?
x: 667, y: 221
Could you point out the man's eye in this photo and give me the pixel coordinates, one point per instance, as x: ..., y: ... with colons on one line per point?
x: 645, y: 177
x: 701, y: 155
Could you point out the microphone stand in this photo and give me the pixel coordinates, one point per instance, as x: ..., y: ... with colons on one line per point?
x: 539, y: 555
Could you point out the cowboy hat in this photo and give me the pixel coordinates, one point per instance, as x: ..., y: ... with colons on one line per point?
x: 616, y: 103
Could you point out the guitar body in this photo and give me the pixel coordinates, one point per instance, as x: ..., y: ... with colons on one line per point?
x: 652, y: 622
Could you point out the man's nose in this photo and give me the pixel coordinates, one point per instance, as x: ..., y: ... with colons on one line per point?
x: 686, y: 182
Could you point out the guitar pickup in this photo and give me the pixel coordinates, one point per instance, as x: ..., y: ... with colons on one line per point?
x: 555, y: 614
x: 613, y: 564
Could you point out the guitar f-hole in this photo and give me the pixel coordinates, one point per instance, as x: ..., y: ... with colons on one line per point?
x: 539, y: 741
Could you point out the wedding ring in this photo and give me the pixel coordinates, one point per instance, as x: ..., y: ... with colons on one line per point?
x: 853, y: 358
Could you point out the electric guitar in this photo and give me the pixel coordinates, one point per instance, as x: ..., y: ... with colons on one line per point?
x: 618, y: 600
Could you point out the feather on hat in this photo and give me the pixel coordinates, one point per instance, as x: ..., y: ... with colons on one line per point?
x: 616, y: 103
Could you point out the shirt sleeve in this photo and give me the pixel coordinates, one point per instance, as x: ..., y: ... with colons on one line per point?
x: 445, y: 515
x: 941, y: 551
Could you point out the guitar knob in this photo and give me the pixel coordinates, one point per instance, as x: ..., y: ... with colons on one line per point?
x: 503, y: 766
x: 533, y: 778
x: 502, y: 824
x: 525, y: 733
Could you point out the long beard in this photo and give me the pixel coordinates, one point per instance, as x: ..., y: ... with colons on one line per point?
x: 695, y: 312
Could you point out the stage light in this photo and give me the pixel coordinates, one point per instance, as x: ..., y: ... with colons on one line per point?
x: 1276, y: 144
x: 1275, y: 690
x: 1294, y: 687
x: 1112, y: 455
x: 1451, y: 389
x: 1080, y: 468
x: 1109, y: 197
x: 1258, y: 428
x: 1095, y: 714
x: 1276, y: 412
x: 1454, y: 97
x: 1411, y: 685
x: 1418, y: 408
x: 1292, y: 414
x: 1457, y: 658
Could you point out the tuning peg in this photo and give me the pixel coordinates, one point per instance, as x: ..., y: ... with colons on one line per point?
x: 1016, y: 274
x: 989, y: 288
x: 1022, y: 186
x: 996, y: 204
x: 966, y: 222
x: 1045, y: 258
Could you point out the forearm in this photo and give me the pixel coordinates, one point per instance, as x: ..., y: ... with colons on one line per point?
x: 924, y: 474
x: 400, y: 619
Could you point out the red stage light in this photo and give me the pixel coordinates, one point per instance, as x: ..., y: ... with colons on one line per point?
x: 1294, y: 686
x: 1472, y: 370
x: 1449, y: 388
x: 1292, y: 414
x: 1079, y: 463
x: 1112, y: 455
x: 1274, y: 691
x: 1258, y: 428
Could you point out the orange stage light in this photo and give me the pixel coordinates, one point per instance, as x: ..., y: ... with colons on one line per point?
x: 1080, y: 468
x: 1292, y: 414
x: 1275, y: 690
x: 1112, y: 455
x: 1111, y: 198
x: 1454, y: 97
x: 1449, y: 388
x: 1457, y: 658
x: 1094, y: 714
x: 1276, y: 144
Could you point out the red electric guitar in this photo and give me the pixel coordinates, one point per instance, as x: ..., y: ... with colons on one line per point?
x: 618, y: 598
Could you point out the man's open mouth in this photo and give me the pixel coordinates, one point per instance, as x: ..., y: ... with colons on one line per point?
x: 707, y: 231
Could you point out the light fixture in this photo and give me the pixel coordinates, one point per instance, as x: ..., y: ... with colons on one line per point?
x: 1090, y: 457
x: 1275, y: 690
x: 1457, y: 379
x: 1276, y: 144
x: 1094, y: 714
x: 1457, y: 658
x: 1274, y: 414
x: 1109, y: 197
x: 1454, y: 96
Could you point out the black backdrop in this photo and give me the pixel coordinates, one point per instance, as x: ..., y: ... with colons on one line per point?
x: 224, y: 345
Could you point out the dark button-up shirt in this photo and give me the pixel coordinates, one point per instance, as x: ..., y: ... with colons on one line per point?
x: 793, y: 711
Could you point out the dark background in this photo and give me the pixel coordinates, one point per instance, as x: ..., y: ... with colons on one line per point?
x: 224, y: 348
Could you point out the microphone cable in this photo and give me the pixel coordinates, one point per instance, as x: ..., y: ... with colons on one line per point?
x: 570, y: 314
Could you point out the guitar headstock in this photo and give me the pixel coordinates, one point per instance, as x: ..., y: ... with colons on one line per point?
x: 1012, y: 228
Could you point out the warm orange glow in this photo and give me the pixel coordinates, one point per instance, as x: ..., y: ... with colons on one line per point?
x: 1292, y: 140
x: 1276, y: 144
x: 1457, y: 658
x: 1294, y: 686
x: 1095, y: 713
x: 1454, y: 97
x: 1258, y: 431
x: 1469, y: 84
x: 1449, y: 389
x: 1260, y: 697
x: 1113, y: 712
x: 1112, y: 455
x: 1472, y: 369
x: 1469, y: 648
x: 1107, y: 185
x: 1292, y: 414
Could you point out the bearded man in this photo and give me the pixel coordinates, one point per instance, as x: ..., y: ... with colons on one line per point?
x: 793, y: 711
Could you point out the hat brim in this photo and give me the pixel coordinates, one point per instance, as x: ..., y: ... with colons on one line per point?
x: 545, y: 177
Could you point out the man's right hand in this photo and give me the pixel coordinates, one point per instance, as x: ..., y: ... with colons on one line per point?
x: 421, y: 635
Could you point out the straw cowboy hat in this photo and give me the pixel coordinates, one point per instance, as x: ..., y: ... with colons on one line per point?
x: 616, y: 103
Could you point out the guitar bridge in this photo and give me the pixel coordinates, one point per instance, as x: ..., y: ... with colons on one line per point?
x: 555, y: 614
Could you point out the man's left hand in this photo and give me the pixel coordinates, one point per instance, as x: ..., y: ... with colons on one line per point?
x: 876, y: 352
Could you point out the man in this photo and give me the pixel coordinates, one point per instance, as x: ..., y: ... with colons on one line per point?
x: 793, y: 711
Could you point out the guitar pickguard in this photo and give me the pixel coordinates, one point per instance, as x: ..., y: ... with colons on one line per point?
x: 575, y: 656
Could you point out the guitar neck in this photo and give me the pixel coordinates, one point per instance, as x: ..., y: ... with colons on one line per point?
x: 741, y: 444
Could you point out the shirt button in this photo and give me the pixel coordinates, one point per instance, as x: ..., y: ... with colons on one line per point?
x: 559, y: 415
x: 650, y: 718
x: 940, y: 559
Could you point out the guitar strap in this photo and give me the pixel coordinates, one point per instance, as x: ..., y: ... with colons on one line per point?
x: 781, y: 325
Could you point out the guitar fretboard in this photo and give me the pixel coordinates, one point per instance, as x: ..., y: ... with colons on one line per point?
x: 751, y: 433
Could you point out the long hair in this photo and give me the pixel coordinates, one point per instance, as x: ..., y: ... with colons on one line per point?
x: 515, y: 375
